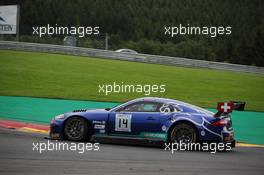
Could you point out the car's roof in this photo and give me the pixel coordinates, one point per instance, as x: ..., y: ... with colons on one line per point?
x: 158, y: 99
x: 177, y: 102
x: 185, y: 107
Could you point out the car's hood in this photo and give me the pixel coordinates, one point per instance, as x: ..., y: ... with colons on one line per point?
x: 86, y: 111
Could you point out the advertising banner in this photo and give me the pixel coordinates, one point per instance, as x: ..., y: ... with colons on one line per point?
x: 8, y: 19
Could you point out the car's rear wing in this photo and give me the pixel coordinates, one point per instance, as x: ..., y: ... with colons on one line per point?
x: 239, y: 105
x: 228, y: 107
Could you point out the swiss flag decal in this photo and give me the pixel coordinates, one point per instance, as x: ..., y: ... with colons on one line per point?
x: 226, y: 107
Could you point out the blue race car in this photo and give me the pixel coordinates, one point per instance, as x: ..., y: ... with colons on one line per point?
x: 149, y: 119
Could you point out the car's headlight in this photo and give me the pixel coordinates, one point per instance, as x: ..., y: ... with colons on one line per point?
x: 61, y: 116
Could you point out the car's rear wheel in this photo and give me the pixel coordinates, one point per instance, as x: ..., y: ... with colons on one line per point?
x: 184, y: 133
x: 76, y: 129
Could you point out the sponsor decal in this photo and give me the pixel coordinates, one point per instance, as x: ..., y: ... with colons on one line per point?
x: 154, y: 135
x: 99, y: 126
x: 163, y: 128
x: 98, y: 122
x: 102, y: 131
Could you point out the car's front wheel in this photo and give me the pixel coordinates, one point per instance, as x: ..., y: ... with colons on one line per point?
x: 76, y: 129
x: 184, y: 133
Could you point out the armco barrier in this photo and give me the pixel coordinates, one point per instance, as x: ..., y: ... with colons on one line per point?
x: 155, y: 59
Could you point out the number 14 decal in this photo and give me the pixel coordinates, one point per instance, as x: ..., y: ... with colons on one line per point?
x: 123, y: 122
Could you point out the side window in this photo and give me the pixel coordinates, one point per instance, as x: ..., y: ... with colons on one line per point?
x: 141, y: 107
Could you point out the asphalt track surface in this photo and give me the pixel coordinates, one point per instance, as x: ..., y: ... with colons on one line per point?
x: 17, y: 157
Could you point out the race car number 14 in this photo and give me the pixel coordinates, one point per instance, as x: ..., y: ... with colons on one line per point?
x: 123, y: 122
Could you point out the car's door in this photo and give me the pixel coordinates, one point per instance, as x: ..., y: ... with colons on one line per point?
x: 137, y: 119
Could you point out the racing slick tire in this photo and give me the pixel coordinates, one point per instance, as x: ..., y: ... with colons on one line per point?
x: 77, y: 129
x: 184, y: 133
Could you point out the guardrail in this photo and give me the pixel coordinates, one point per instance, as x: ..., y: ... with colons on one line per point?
x: 154, y: 59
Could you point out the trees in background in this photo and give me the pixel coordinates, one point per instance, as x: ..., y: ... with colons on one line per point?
x: 139, y: 25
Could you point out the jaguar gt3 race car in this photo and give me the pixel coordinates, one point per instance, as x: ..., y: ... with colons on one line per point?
x: 149, y: 119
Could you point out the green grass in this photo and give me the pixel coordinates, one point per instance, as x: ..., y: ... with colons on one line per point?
x: 74, y: 77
